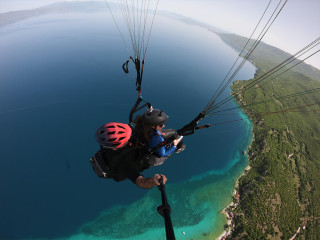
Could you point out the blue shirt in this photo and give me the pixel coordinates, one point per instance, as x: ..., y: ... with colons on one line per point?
x: 163, y: 151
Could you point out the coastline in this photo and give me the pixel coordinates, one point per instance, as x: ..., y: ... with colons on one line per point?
x: 276, y: 179
x: 228, y: 210
x: 235, y: 198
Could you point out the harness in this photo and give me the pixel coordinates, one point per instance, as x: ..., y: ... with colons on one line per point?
x: 108, y: 163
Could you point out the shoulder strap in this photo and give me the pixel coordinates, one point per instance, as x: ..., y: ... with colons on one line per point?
x: 136, y: 109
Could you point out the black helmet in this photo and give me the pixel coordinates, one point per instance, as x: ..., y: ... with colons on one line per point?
x: 155, y: 117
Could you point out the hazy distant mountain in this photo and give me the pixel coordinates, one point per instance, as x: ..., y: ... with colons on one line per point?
x: 190, y: 21
x: 93, y: 6
x: 62, y: 7
x: 269, y: 55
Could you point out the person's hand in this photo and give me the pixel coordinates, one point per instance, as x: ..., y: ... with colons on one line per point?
x: 157, y: 177
x: 175, y: 142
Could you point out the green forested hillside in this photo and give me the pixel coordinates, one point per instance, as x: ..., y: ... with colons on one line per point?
x: 279, y: 196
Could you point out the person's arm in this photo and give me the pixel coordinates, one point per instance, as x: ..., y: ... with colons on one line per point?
x: 143, y: 182
x: 163, y: 151
x: 147, y: 183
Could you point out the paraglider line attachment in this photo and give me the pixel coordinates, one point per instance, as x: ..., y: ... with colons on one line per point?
x: 192, y: 126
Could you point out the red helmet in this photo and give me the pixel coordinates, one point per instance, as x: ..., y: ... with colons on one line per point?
x: 113, y: 135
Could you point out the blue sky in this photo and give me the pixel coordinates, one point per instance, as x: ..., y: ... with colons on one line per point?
x: 297, y: 25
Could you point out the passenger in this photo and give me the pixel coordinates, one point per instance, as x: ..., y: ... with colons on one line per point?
x: 150, y: 133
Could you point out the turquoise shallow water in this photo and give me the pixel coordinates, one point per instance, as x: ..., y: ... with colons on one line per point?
x: 58, y: 75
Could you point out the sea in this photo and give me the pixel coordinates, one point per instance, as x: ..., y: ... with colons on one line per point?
x: 61, y: 78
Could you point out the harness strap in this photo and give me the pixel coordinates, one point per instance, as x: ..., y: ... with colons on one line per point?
x: 139, y: 75
x: 136, y: 109
x: 125, y: 67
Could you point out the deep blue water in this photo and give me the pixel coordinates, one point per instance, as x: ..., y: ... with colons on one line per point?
x: 61, y: 78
